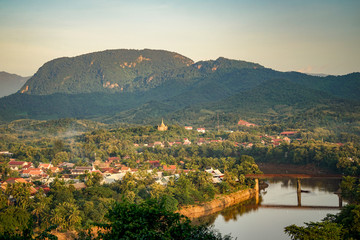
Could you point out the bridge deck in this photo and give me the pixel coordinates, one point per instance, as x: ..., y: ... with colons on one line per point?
x: 293, y: 206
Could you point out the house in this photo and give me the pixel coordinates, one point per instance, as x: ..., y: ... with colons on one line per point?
x: 112, y: 159
x: 81, y: 170
x: 248, y: 145
x: 6, y: 153
x: 55, y: 169
x: 29, y: 165
x: 201, y: 130
x: 17, y: 165
x: 246, y: 124
x: 32, y: 172
x: 78, y: 186
x: 45, y: 188
x: 286, y: 139
x: 186, y: 142
x: 45, y: 165
x: 155, y: 163
x: 113, y: 177
x: 276, y: 142
x: 188, y: 128
x: 216, y: 174
x: 158, y: 144
x: 108, y: 170
x: 171, y: 168
x: 125, y: 169
x: 67, y: 165
x: 201, y: 141
x: 164, y: 180
x: 288, y: 133
x: 17, y: 180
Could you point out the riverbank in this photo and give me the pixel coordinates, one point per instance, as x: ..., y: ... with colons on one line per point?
x: 218, y: 204
x: 191, y: 211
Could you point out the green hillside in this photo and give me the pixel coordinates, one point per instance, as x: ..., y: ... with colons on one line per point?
x: 142, y: 86
x: 108, y: 71
x: 273, y: 102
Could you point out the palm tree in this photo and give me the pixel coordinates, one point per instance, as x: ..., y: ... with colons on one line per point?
x: 73, y: 217
x: 40, y: 205
x: 58, y: 217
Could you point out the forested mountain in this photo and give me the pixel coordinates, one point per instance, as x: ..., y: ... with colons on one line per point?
x: 142, y: 86
x: 10, y: 83
x: 107, y: 71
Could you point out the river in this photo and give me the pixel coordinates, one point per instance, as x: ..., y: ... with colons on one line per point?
x: 252, y: 221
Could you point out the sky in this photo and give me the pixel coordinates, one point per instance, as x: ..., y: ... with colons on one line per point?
x: 311, y: 36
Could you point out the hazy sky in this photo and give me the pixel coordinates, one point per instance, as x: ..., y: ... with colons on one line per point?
x: 318, y: 36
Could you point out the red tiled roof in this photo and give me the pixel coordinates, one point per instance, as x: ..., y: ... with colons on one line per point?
x: 27, y: 166
x: 170, y: 167
x: 288, y: 133
x: 154, y: 161
x: 19, y: 180
x: 44, y: 165
x: 106, y: 169
x: 35, y: 172
x: 113, y: 159
x: 45, y: 188
x: 16, y: 163
x: 277, y: 140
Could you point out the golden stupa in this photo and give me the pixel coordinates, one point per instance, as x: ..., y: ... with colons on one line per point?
x: 162, y: 126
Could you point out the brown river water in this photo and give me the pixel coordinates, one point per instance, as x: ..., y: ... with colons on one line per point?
x: 277, y: 208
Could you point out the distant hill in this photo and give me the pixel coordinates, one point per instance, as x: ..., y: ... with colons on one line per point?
x: 108, y: 71
x: 141, y: 86
x: 10, y: 83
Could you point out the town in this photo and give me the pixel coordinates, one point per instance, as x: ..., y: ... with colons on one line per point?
x: 115, y: 168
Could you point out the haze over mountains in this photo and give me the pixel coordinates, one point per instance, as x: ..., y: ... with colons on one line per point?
x: 10, y: 83
x: 141, y: 86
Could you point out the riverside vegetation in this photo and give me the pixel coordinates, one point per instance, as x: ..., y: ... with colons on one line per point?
x: 66, y: 208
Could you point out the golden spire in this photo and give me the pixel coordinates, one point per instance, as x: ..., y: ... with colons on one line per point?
x: 162, y: 126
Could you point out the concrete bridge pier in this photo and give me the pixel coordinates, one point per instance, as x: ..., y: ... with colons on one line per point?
x: 257, y: 189
x: 338, y: 192
x: 298, y: 185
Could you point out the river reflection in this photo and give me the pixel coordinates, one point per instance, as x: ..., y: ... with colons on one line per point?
x: 277, y: 208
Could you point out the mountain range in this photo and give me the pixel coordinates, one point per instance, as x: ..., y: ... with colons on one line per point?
x: 143, y: 86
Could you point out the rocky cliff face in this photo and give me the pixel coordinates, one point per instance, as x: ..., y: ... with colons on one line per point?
x: 195, y: 211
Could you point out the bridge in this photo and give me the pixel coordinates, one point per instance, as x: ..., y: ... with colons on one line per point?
x: 298, y: 186
x: 297, y: 207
